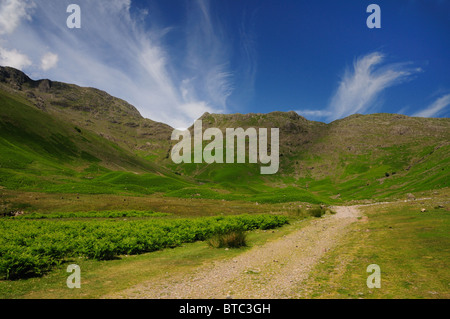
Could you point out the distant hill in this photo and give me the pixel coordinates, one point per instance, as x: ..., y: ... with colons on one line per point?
x: 361, y: 156
x: 64, y: 138
x: 92, y: 109
x: 56, y: 137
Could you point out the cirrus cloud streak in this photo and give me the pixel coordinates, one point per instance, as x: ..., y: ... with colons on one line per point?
x: 361, y: 86
x: 436, y: 108
x: 130, y: 57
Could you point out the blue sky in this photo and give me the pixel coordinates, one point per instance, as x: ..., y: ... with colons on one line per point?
x: 176, y: 59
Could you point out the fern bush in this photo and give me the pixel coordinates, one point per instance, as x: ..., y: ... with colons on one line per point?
x: 31, y: 247
x: 232, y: 239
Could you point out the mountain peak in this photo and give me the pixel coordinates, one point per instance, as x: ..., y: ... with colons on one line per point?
x: 15, y: 78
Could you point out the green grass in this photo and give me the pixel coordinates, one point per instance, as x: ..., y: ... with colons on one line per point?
x: 42, y: 153
x: 357, y: 184
x: 411, y: 248
x: 92, y: 214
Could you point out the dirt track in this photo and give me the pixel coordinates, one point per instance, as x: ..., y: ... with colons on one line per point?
x: 273, y: 270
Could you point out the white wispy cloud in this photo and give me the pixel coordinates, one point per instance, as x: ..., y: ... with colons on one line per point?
x: 207, y: 56
x: 49, y: 61
x: 248, y: 65
x: 14, y: 58
x: 436, y: 108
x: 361, y: 86
x: 12, y: 12
x: 314, y: 114
x: 115, y: 50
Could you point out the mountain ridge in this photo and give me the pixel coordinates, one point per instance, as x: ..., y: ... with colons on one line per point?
x: 92, y: 109
x: 358, y: 156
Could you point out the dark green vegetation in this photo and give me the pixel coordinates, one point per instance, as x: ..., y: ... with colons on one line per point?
x: 32, y: 247
x: 230, y: 239
x: 411, y: 247
x: 94, y: 214
x: 61, y: 138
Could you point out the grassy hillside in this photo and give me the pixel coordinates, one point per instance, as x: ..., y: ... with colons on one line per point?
x: 360, y: 157
x: 393, y: 155
x: 93, y: 110
x: 62, y: 138
x: 43, y: 153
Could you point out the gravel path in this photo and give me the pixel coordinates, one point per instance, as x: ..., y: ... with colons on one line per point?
x: 274, y: 270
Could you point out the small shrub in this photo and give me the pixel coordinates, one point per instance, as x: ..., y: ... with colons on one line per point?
x: 232, y: 239
x: 317, y: 212
x: 299, y: 212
